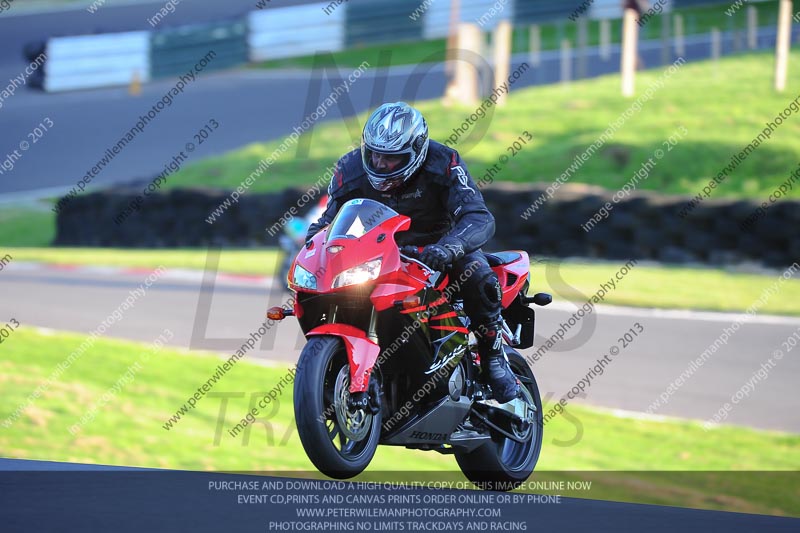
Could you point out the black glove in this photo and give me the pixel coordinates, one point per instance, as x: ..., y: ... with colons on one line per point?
x: 435, y: 256
x: 410, y: 251
x: 439, y: 256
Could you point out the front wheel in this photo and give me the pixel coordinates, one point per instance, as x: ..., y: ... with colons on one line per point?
x: 339, y: 442
x: 503, y: 463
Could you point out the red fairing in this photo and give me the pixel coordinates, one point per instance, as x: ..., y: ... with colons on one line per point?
x: 386, y: 294
x: 398, y: 285
x: 326, y: 266
x: 519, y: 268
x: 361, y: 352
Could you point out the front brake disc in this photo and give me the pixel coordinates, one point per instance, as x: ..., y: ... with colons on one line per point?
x: 353, y: 424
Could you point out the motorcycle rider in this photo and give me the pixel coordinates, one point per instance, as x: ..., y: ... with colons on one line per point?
x: 399, y: 166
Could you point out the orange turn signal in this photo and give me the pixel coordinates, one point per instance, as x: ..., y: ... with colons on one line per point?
x: 410, y: 302
x: 278, y: 313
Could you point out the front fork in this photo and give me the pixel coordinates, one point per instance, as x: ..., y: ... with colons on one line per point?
x: 372, y: 333
x: 362, y: 347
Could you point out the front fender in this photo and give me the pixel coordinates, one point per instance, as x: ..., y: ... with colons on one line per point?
x: 361, y: 352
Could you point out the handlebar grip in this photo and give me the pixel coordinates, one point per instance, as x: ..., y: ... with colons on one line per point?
x: 411, y: 251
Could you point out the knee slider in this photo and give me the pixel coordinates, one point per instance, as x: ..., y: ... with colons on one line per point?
x: 490, y: 291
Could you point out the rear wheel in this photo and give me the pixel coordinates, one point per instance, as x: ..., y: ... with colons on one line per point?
x: 503, y: 463
x: 339, y: 442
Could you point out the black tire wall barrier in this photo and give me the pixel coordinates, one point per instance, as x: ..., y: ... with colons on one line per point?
x: 645, y: 226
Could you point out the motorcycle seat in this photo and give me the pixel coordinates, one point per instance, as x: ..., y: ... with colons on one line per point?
x: 501, y: 258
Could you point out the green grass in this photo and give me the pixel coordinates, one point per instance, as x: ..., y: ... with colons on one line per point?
x: 27, y: 226
x: 712, y: 289
x: 697, y: 20
x: 127, y: 430
x: 645, y: 286
x: 255, y: 262
x: 721, y: 119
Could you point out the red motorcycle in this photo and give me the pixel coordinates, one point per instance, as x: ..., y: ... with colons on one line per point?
x: 389, y: 358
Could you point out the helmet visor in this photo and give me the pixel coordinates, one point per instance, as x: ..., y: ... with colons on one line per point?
x: 384, y: 164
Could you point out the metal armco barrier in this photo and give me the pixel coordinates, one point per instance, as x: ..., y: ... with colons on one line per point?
x: 526, y: 12
x: 610, y: 9
x: 295, y: 31
x: 176, y: 50
x: 695, y: 3
x: 383, y: 21
x: 104, y: 60
x: 437, y: 17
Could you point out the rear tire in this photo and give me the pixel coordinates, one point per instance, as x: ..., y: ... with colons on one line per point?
x: 503, y: 464
x: 339, y: 443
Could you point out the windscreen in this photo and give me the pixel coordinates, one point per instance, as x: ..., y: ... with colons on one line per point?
x: 357, y: 217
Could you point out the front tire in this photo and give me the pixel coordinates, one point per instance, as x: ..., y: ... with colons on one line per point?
x: 502, y: 463
x: 339, y: 442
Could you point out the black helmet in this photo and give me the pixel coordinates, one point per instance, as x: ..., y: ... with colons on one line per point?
x: 395, y: 129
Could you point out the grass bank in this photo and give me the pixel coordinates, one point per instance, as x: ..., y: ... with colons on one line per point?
x: 27, y: 226
x: 707, y: 100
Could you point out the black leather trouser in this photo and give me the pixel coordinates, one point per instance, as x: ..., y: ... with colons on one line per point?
x: 479, y: 288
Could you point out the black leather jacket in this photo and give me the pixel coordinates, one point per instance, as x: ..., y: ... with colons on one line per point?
x: 442, y: 199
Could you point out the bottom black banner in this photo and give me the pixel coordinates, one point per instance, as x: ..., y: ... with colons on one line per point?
x: 41, y: 496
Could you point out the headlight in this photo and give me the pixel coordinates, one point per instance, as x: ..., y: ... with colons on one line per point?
x: 304, y: 278
x: 358, y: 274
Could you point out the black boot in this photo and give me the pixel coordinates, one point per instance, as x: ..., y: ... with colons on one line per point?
x: 494, y: 367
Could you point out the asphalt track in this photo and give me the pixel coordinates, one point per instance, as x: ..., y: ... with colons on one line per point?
x: 221, y: 318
